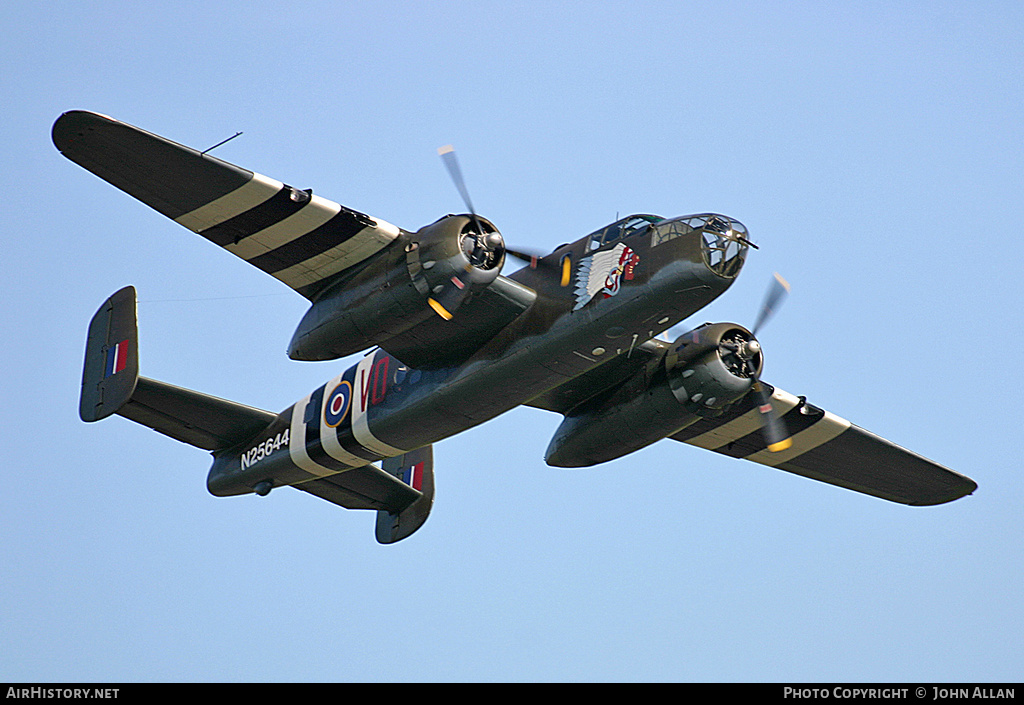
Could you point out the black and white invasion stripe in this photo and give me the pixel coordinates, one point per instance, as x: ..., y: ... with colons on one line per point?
x: 829, y: 449
x: 743, y: 437
x: 295, y: 236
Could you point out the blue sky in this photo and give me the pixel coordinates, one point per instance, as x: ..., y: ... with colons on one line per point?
x: 874, y: 153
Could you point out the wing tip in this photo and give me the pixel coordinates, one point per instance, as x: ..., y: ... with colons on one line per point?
x: 965, y: 488
x: 71, y: 123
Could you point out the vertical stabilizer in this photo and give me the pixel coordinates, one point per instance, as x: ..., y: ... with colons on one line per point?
x: 111, y: 357
x: 416, y: 469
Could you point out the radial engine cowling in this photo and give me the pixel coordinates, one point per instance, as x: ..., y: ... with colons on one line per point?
x: 454, y: 257
x: 713, y: 366
x: 425, y: 274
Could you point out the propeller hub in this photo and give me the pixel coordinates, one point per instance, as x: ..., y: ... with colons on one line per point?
x: 493, y: 241
x: 749, y: 349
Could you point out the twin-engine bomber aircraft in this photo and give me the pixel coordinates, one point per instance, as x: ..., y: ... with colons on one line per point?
x: 455, y: 343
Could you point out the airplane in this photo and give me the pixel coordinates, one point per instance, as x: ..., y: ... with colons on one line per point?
x: 450, y: 342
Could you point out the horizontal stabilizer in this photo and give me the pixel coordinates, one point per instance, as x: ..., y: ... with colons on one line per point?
x: 830, y: 449
x: 192, y: 417
x: 367, y: 487
x: 111, y: 385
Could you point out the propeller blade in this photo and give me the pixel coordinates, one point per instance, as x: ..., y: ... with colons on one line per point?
x: 447, y: 154
x: 775, y: 433
x: 455, y: 292
x: 535, y: 261
x: 531, y: 258
x: 528, y: 257
x: 777, y: 290
x: 439, y: 309
x: 566, y: 271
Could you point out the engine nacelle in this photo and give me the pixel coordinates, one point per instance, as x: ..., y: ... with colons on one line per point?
x: 703, y: 373
x: 713, y: 366
x: 453, y: 258
x: 431, y: 272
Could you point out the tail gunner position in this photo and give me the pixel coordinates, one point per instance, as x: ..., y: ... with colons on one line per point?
x: 453, y: 342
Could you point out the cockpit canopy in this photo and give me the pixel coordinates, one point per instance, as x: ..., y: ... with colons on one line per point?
x: 620, y: 229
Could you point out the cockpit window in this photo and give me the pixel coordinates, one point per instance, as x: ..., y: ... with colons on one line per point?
x: 620, y: 229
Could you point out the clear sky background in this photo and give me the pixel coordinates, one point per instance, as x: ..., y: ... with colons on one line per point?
x: 873, y: 150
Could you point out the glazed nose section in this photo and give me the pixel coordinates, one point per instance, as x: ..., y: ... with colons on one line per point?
x: 724, y: 244
x: 723, y: 240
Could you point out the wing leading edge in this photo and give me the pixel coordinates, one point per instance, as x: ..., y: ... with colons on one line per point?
x: 294, y: 236
x: 830, y: 449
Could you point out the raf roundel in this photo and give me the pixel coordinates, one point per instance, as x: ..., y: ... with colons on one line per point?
x: 337, y: 404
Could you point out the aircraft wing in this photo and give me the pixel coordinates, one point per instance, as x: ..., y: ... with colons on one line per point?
x: 830, y: 449
x: 825, y: 447
x: 299, y: 238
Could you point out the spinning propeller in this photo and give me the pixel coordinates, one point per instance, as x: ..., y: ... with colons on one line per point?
x: 489, y: 243
x: 747, y: 351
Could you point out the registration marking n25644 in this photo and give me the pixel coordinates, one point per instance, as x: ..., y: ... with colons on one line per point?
x: 264, y: 449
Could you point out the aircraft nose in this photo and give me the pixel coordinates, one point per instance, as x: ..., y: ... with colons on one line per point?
x: 723, y: 240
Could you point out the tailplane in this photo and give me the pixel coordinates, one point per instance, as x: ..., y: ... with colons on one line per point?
x: 401, y: 490
x: 111, y: 385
